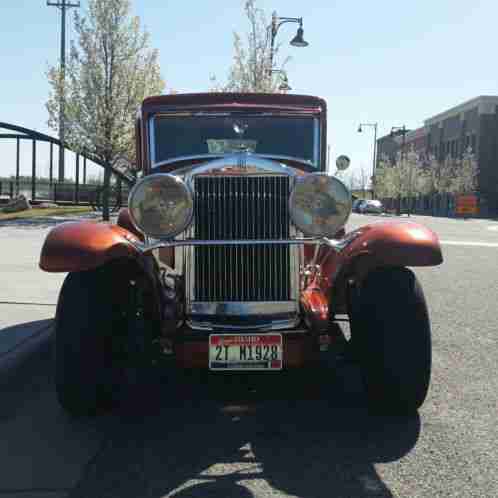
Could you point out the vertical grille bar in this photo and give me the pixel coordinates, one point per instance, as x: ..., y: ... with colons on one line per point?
x: 241, y: 207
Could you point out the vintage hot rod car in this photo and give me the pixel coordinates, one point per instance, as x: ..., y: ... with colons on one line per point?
x: 232, y: 256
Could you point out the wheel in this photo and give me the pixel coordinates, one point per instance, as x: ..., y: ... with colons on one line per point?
x: 90, y: 319
x: 392, y: 340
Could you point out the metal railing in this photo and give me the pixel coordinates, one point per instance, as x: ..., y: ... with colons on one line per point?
x: 66, y: 193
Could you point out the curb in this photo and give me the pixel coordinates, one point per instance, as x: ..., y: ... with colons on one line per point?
x: 13, y: 360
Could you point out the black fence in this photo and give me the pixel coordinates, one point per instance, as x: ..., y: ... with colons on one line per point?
x: 429, y: 205
x: 65, y: 193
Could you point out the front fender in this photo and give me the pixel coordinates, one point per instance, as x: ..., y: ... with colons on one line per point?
x: 396, y: 243
x: 385, y: 243
x: 86, y: 245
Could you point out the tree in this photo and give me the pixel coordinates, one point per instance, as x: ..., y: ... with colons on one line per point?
x: 111, y: 69
x: 395, y: 179
x: 465, y: 179
x: 419, y: 175
x: 361, y: 180
x: 250, y: 70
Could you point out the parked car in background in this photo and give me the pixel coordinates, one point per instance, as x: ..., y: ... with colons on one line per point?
x: 232, y: 256
x: 357, y: 205
x: 371, y: 206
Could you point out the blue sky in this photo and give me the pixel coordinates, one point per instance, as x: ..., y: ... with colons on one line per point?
x: 389, y: 62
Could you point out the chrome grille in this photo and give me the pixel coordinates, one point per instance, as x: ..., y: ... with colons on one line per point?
x: 241, y: 207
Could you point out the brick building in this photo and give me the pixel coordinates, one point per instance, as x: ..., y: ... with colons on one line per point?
x: 473, y: 123
x: 389, y: 146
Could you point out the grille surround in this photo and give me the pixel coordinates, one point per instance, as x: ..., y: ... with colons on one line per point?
x: 235, y: 315
x: 244, y: 207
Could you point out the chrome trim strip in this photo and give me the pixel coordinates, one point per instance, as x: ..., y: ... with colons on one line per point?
x: 316, y: 144
x: 249, y: 164
x: 205, y: 325
x: 337, y: 245
x: 235, y: 242
x: 188, y: 269
x: 214, y: 156
x: 295, y: 252
x: 152, y: 139
x: 275, y: 315
x: 243, y: 308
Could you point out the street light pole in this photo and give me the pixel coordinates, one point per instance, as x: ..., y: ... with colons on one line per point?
x: 401, y: 130
x: 276, y: 23
x: 374, y: 159
x: 63, y: 5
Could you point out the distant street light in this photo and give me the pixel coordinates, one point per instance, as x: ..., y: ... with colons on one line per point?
x: 400, y: 130
x: 374, y: 160
x: 276, y: 22
x: 396, y: 131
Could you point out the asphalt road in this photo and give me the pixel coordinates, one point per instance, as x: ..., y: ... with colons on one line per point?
x: 277, y: 438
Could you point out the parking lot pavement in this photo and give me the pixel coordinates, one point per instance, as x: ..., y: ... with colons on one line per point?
x: 451, y: 231
x: 227, y: 439
x: 27, y: 298
x: 20, y: 278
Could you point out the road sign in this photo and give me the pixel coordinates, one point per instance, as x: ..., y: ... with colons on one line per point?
x: 467, y: 204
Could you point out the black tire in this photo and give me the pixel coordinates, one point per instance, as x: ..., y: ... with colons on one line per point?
x: 392, y: 339
x: 90, y: 320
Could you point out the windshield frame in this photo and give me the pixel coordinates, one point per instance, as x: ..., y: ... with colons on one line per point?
x: 315, y: 163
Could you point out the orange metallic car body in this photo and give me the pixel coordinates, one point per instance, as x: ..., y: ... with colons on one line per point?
x: 85, y: 246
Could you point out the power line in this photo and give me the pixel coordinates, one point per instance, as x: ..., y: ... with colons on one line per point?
x: 63, y: 5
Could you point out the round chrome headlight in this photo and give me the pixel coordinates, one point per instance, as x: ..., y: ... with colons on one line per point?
x: 161, y: 205
x: 319, y: 204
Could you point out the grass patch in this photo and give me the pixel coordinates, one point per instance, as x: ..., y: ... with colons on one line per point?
x: 42, y: 213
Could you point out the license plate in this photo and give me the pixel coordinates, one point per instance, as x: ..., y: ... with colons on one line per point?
x: 245, y: 352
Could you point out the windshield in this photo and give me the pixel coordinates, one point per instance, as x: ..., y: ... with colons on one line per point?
x: 292, y: 136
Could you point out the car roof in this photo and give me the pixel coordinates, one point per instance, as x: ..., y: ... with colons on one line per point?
x: 280, y: 101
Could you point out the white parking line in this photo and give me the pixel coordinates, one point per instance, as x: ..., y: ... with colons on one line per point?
x: 494, y: 227
x: 468, y: 243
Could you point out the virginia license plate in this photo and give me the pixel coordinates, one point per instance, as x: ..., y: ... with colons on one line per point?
x: 245, y: 352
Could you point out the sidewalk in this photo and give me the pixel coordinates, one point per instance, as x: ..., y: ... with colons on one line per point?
x: 27, y: 298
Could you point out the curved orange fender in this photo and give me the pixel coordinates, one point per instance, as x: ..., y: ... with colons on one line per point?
x: 124, y: 220
x: 384, y: 243
x: 86, y: 245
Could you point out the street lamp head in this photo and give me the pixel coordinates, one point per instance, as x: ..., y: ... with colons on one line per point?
x: 298, y: 40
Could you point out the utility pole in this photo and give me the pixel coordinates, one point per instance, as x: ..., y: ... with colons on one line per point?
x: 395, y: 131
x: 374, y: 160
x: 63, y: 5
